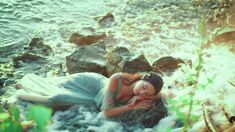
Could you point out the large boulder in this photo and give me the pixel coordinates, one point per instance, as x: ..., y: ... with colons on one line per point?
x: 87, y: 59
x: 120, y: 59
x: 136, y: 63
x: 166, y: 64
x: 146, y: 117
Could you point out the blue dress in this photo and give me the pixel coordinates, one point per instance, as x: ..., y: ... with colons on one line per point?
x: 86, y: 88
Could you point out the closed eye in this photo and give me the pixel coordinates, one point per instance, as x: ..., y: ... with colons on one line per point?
x: 145, y: 87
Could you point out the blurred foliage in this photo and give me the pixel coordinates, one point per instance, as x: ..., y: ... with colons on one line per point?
x: 183, y: 106
x: 41, y: 115
x: 10, y: 119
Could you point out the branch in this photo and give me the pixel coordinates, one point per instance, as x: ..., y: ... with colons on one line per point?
x: 210, y: 126
x: 227, y: 114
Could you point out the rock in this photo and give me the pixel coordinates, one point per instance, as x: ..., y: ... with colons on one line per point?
x: 227, y: 38
x: 166, y: 64
x: 147, y: 117
x: 26, y: 58
x: 107, y: 20
x: 36, y: 46
x: 119, y: 59
x: 82, y: 40
x: 87, y: 59
x: 115, y: 58
x: 137, y: 64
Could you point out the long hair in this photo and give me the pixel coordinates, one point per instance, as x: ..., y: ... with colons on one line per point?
x: 150, y: 77
x: 129, y: 78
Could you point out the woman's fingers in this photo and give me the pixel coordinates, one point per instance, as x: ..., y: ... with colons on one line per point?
x: 145, y: 104
x: 137, y: 102
x: 133, y: 100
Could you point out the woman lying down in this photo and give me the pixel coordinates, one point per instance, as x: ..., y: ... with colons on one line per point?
x: 123, y: 96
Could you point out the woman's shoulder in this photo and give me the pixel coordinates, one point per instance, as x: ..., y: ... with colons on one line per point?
x: 116, y: 75
x: 114, y: 80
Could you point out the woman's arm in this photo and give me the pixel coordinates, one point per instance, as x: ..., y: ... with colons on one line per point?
x: 116, y: 111
x: 108, y: 106
x: 110, y: 110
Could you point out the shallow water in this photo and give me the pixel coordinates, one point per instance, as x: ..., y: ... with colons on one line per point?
x: 21, y: 20
x: 156, y: 28
x: 143, y: 26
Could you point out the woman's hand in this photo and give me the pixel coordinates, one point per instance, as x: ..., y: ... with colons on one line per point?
x: 140, y: 102
x: 134, y: 100
x: 143, y: 104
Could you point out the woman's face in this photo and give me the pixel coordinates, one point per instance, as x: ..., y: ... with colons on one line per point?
x: 143, y: 88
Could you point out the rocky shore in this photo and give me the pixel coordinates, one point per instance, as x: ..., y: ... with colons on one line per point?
x: 131, y: 36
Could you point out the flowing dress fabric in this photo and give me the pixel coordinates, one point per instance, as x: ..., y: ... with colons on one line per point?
x: 80, y: 88
x: 88, y: 89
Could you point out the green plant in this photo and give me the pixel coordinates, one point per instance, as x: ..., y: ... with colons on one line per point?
x: 10, y: 119
x: 41, y: 115
x: 183, y: 106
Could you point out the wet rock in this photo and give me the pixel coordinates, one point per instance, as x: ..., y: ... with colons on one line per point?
x: 166, y: 64
x: 227, y: 38
x: 82, y: 40
x: 36, y: 46
x: 26, y: 58
x: 137, y: 64
x: 107, y: 20
x: 87, y: 59
x: 120, y: 59
x: 115, y: 59
x: 147, y: 117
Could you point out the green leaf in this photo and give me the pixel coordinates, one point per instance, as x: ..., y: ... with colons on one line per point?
x: 4, y: 116
x: 41, y: 115
x: 15, y: 112
x: 195, y: 118
x: 1, y: 109
x: 168, y: 129
x: 14, y: 127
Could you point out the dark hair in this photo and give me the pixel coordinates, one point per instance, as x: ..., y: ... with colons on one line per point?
x: 154, y: 79
x: 129, y: 78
